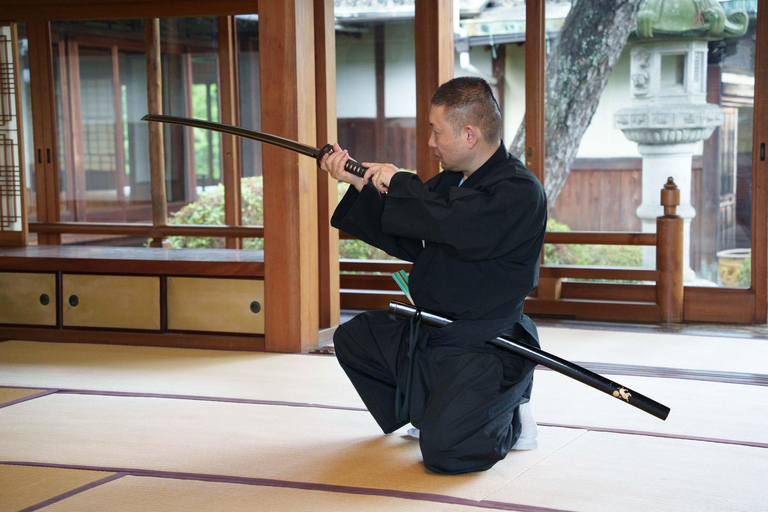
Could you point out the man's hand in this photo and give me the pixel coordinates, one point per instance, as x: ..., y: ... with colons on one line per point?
x: 380, y: 175
x: 334, y: 164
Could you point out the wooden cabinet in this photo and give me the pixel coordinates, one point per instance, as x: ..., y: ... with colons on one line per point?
x: 28, y: 298
x: 113, y: 302
x: 215, y: 305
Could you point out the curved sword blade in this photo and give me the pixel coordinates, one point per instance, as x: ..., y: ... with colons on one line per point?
x: 274, y: 140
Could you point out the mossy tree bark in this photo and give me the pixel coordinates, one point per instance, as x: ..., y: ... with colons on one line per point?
x: 591, y: 41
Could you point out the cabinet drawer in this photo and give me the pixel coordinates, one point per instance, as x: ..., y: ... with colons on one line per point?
x: 216, y: 305
x: 115, y: 302
x: 27, y: 299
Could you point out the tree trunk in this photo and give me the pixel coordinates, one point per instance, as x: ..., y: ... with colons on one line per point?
x: 591, y: 41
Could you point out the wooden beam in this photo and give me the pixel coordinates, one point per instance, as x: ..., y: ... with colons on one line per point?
x: 760, y: 172
x: 229, y: 114
x: 43, y: 10
x: 287, y: 63
x: 156, y: 147
x: 327, y: 193
x: 434, y: 66
x: 535, y: 63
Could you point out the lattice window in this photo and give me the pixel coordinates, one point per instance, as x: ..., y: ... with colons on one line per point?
x: 10, y: 166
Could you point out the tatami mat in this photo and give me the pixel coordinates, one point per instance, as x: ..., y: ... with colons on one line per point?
x: 701, y: 409
x: 246, y: 375
x: 571, y: 469
x: 140, y: 494
x: 660, y: 350
x: 611, y: 472
x: 282, y: 431
x: 297, y: 444
x: 8, y: 395
x: 25, y: 486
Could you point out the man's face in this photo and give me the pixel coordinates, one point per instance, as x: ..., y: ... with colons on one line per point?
x: 445, y: 142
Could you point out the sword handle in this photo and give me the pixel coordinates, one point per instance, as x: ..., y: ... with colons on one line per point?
x: 351, y: 166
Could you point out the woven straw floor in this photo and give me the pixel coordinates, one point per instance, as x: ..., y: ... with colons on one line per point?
x: 104, y: 427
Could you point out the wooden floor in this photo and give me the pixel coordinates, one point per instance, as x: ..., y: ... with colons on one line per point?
x: 105, y: 427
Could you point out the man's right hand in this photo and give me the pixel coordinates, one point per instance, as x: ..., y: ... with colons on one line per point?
x: 334, y: 164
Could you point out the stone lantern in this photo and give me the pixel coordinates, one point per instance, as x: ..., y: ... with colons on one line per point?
x: 670, y: 113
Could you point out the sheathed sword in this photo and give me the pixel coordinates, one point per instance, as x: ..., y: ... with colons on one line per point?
x: 351, y: 166
x: 551, y: 361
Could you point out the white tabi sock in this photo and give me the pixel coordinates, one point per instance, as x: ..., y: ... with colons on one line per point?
x: 530, y: 432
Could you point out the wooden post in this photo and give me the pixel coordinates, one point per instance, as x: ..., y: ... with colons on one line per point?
x: 156, y: 148
x: 669, y: 255
x: 535, y: 80
x: 229, y: 114
x: 434, y: 66
x: 327, y: 192
x: 760, y: 172
x: 287, y: 61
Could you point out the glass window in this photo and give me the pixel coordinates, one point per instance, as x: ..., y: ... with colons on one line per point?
x: 672, y: 106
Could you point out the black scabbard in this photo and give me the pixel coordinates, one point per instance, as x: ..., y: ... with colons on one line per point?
x: 551, y: 361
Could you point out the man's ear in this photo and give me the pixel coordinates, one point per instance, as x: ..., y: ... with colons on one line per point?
x: 472, y: 136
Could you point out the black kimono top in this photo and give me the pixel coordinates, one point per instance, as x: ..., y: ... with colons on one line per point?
x: 475, y: 248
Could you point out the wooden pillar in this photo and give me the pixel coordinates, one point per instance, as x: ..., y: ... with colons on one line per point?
x: 156, y: 148
x: 498, y: 65
x: 535, y: 81
x: 119, y: 140
x: 287, y: 62
x: 760, y: 172
x: 669, y: 255
x: 44, y: 127
x: 327, y: 195
x: 229, y: 114
x: 434, y: 66
x: 381, y: 118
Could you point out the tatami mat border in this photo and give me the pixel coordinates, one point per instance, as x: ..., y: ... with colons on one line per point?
x: 267, y: 482
x: 648, y: 433
x: 28, y: 397
x: 71, y: 493
x: 126, y: 394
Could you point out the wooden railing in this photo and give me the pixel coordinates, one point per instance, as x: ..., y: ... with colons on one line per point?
x: 366, y: 284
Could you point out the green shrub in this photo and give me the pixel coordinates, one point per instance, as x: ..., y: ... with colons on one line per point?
x: 209, y: 210
x: 590, y: 255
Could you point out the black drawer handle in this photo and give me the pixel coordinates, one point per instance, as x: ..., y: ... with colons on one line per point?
x: 73, y: 300
x: 45, y: 299
x: 255, y: 307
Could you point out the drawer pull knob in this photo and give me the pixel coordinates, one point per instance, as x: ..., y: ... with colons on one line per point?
x: 73, y: 300
x: 255, y: 307
x: 45, y: 299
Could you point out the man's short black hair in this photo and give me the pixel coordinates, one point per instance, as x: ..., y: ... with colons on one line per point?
x: 469, y: 100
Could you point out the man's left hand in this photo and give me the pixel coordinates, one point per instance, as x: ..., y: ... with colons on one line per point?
x: 380, y: 175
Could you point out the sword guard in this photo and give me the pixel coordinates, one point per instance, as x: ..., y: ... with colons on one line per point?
x: 351, y: 166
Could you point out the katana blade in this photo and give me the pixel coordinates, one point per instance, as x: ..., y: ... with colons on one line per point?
x: 351, y: 166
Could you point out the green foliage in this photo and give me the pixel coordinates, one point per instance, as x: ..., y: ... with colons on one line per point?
x: 590, y: 255
x: 209, y: 210
x: 744, y: 279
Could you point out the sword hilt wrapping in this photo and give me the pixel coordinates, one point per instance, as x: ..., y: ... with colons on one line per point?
x: 351, y: 166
